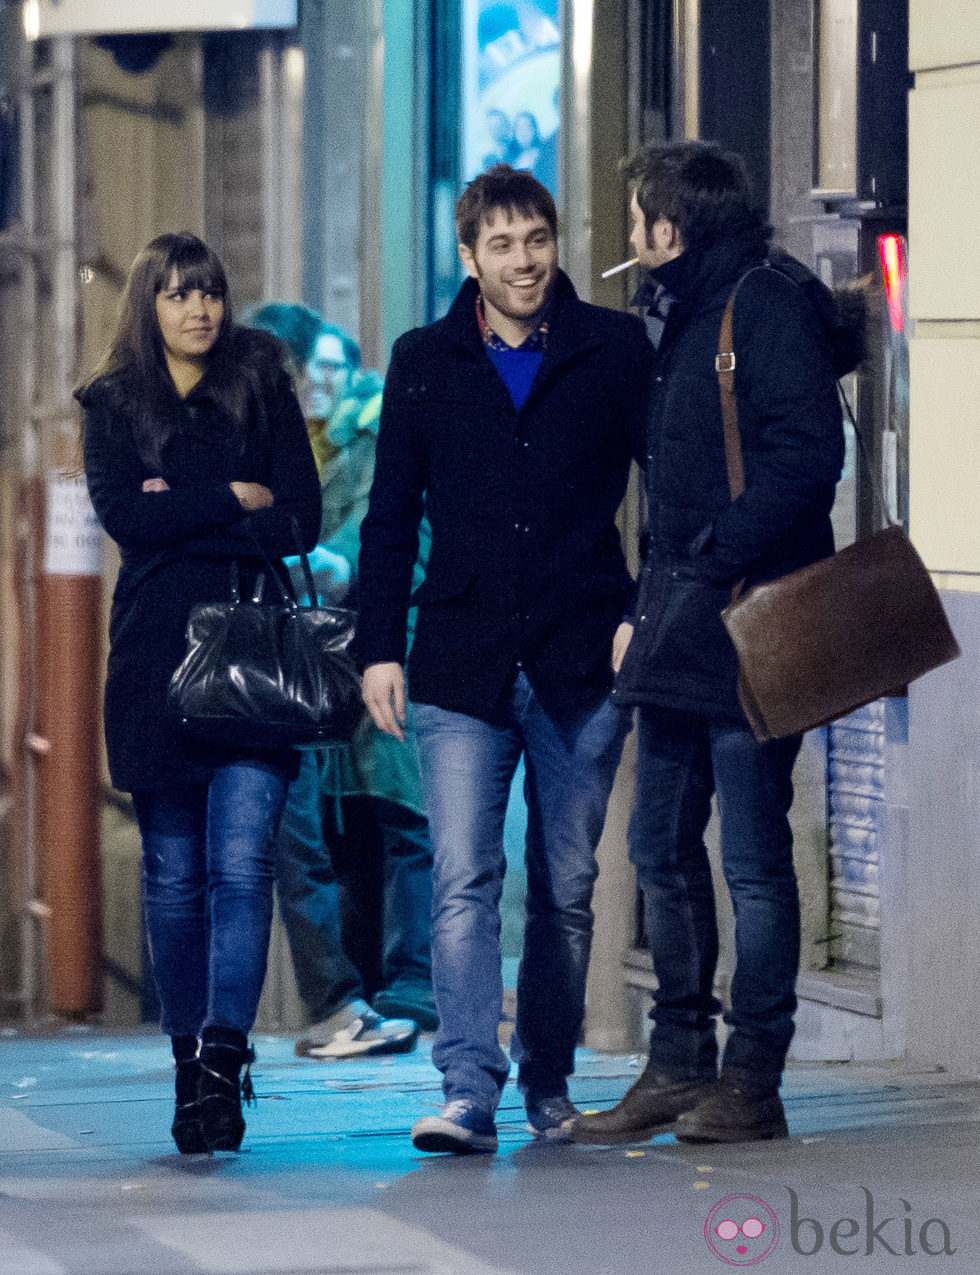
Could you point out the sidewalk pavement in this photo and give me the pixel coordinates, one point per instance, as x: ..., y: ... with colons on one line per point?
x: 329, y: 1182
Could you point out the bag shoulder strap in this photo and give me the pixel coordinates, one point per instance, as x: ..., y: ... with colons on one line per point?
x: 725, y: 367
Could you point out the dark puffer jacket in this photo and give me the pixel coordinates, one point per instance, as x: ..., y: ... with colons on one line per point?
x: 177, y: 545
x: 700, y: 542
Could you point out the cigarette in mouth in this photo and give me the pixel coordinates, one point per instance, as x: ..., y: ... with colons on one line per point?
x: 623, y: 265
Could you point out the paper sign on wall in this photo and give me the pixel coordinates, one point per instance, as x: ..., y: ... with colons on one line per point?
x: 73, y: 540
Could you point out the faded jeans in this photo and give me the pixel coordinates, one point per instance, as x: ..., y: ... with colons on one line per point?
x: 467, y: 767
x: 356, y: 903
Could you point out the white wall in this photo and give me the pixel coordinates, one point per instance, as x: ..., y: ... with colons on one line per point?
x: 943, y: 869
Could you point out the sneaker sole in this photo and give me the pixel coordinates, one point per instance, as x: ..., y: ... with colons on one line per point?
x: 436, y: 1141
x: 560, y: 1133
x: 358, y: 1049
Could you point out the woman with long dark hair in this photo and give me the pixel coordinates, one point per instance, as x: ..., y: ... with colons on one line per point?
x: 196, y: 456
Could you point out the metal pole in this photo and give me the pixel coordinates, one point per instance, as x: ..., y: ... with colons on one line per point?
x: 291, y: 212
x: 272, y: 229
x: 29, y: 530
x: 575, y: 181
x: 63, y: 185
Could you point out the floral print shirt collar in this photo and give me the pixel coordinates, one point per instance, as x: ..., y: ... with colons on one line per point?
x: 538, y: 340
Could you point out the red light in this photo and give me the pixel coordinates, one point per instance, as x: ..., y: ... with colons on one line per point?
x: 891, y: 250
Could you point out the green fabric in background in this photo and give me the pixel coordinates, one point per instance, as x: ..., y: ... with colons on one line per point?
x: 373, y: 764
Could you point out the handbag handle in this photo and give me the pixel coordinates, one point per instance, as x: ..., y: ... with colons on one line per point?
x: 311, y: 592
x: 287, y: 593
x: 235, y: 585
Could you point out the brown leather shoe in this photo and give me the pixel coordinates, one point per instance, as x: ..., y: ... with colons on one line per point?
x: 733, y: 1110
x: 650, y: 1106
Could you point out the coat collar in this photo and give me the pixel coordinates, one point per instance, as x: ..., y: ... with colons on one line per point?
x: 701, y: 274
x: 568, y: 332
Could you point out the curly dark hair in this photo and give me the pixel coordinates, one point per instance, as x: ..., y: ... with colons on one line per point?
x: 701, y: 188
x: 501, y: 186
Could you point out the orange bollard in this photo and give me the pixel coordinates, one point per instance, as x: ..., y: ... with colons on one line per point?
x: 70, y: 722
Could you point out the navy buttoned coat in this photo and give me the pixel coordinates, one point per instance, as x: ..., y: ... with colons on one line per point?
x: 526, y: 569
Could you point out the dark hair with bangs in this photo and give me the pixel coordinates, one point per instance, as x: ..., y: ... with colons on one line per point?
x: 699, y: 187
x: 138, y: 342
x: 512, y: 189
x: 137, y: 348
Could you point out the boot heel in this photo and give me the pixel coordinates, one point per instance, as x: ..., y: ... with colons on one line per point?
x: 186, y: 1127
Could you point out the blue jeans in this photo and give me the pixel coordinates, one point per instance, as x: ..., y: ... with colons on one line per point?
x: 682, y: 759
x: 467, y: 766
x: 208, y: 869
x: 355, y: 894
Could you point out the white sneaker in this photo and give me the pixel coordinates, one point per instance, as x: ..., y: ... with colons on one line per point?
x: 357, y: 1030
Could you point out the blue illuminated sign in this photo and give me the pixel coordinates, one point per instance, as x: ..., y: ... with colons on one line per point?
x: 511, y: 78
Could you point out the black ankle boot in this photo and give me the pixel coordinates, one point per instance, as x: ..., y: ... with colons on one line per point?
x: 186, y: 1128
x: 224, y: 1052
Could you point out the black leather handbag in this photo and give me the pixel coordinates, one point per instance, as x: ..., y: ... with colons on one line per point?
x: 261, y: 675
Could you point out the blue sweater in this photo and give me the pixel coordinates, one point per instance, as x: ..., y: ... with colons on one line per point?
x: 517, y: 369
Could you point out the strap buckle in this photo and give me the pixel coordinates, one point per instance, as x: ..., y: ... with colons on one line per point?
x: 725, y: 362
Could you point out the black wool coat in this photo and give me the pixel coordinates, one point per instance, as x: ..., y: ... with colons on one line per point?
x: 177, y: 546
x: 700, y: 541
x: 526, y: 568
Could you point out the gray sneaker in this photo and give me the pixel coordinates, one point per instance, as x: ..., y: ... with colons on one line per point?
x: 357, y: 1030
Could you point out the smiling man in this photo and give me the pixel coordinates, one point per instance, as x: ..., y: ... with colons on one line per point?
x: 513, y: 421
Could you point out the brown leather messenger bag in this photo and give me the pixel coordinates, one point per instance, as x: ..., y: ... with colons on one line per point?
x: 822, y: 641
